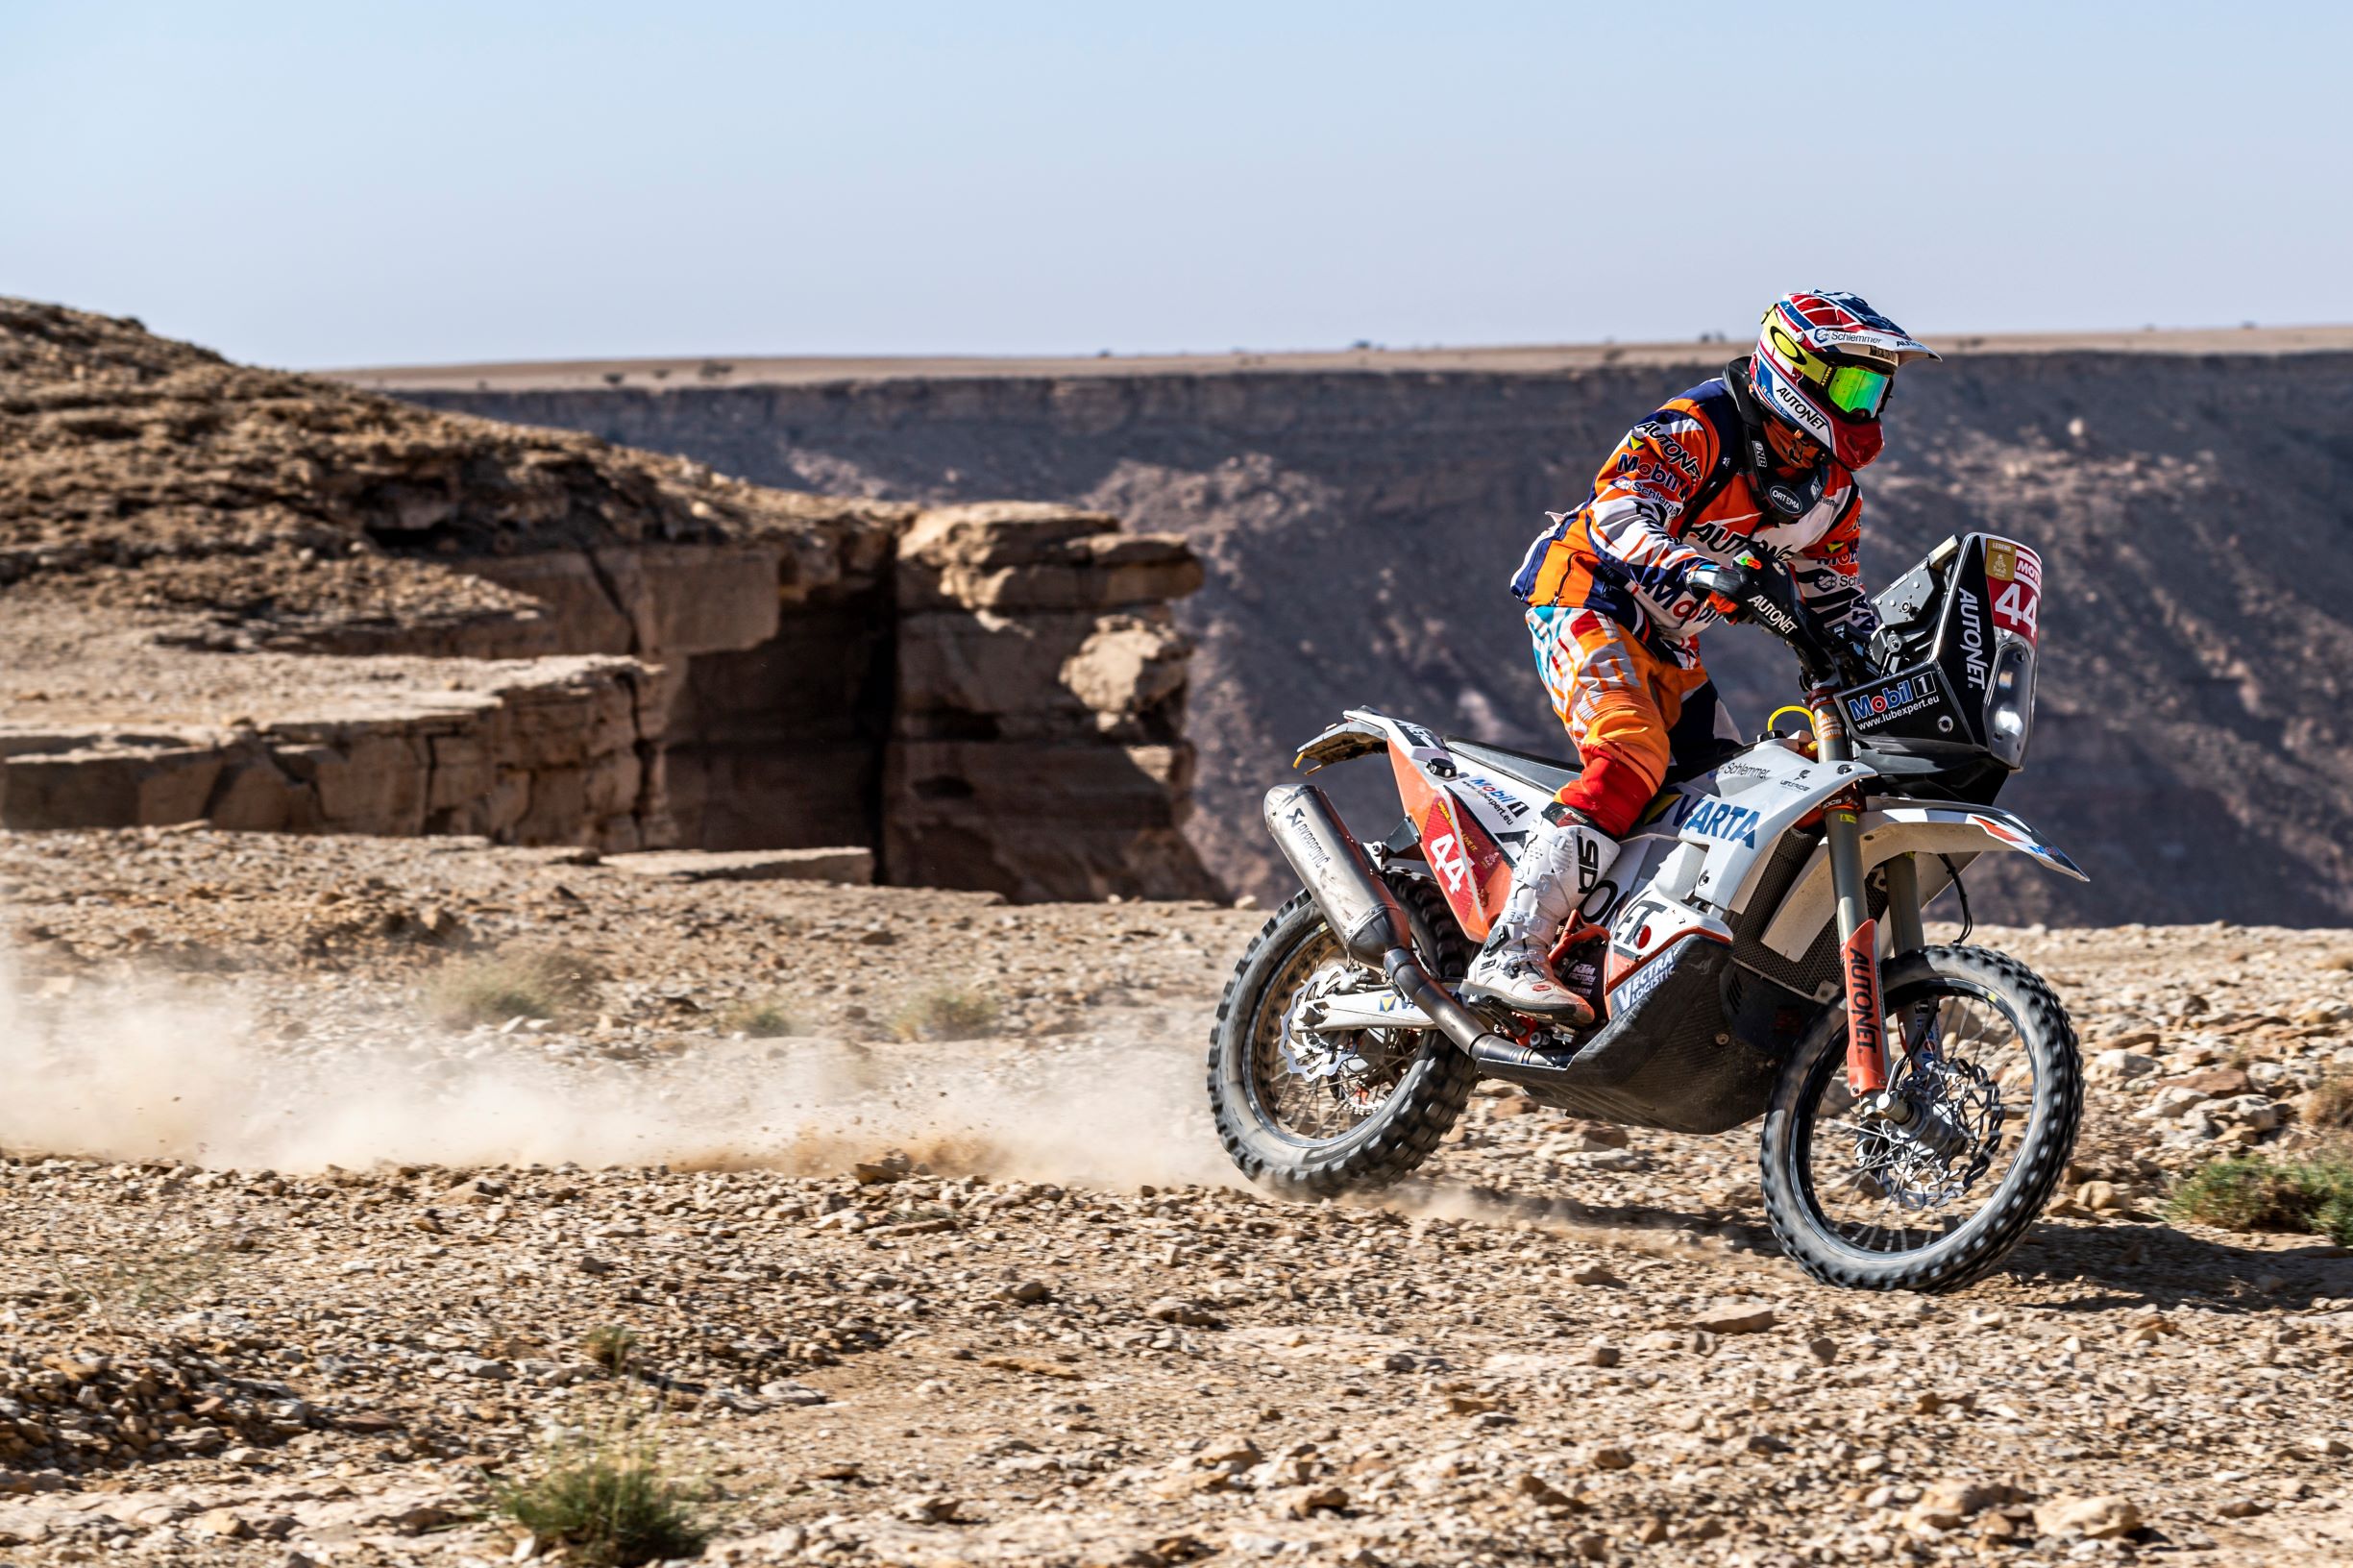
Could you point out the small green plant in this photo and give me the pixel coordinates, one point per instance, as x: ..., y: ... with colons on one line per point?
x: 608, y: 1499
x: 944, y: 1014
x: 609, y: 1345
x: 528, y: 983
x: 2253, y: 1193
x: 760, y: 1018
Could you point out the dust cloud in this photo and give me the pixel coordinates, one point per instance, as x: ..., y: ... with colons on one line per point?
x: 164, y: 1072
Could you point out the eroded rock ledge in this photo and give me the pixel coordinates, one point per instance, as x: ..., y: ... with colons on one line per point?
x: 265, y: 602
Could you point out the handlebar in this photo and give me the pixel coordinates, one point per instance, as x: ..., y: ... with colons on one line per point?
x: 1770, y: 599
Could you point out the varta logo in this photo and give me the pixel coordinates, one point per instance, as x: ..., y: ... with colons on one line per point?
x: 1722, y: 820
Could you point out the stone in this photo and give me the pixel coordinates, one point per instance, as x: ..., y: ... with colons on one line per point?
x: 221, y: 1524
x: 1733, y: 1317
x: 2097, y: 1518
x: 852, y: 865
x: 1610, y: 1457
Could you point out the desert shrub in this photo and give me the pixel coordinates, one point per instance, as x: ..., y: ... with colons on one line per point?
x: 607, y: 1498
x: 760, y: 1018
x: 944, y: 1014
x: 2253, y: 1193
x: 530, y: 982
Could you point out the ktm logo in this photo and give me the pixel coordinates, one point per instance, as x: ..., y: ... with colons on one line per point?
x: 1446, y: 855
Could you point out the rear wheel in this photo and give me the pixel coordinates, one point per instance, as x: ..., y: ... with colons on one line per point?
x: 1313, y: 1113
x: 1991, y: 1069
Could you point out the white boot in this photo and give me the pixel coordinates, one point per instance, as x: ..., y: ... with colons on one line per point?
x: 1563, y: 862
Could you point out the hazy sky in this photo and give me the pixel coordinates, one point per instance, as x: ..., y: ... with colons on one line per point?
x: 342, y: 184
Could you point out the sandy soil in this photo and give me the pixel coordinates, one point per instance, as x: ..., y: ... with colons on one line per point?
x: 298, y: 1274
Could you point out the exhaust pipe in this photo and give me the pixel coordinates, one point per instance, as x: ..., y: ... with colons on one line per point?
x: 1364, y: 914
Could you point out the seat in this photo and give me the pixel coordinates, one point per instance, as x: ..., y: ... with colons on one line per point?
x: 1546, y: 774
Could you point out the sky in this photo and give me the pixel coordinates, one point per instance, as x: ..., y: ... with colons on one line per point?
x: 359, y: 183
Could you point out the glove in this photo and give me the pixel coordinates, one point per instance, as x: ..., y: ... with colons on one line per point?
x: 1727, y: 585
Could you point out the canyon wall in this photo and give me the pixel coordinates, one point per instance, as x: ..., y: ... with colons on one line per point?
x: 1358, y: 526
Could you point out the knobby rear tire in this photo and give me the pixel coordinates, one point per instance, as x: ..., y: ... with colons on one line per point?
x: 1388, y: 1145
x: 1972, y: 1251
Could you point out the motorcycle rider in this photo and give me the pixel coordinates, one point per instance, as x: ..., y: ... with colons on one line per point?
x: 1758, y: 462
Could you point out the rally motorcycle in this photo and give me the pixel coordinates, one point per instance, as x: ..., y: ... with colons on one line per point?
x: 1756, y: 953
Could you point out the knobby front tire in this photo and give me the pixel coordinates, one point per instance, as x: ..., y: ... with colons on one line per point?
x: 1804, y: 1137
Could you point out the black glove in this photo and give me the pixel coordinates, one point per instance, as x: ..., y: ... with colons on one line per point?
x: 1725, y: 585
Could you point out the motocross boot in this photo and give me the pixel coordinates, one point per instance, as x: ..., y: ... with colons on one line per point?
x: 1561, y: 865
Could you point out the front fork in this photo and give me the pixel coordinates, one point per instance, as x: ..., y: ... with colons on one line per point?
x: 1871, y: 1055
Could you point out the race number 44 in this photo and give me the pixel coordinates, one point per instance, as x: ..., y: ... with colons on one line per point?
x: 2014, y: 579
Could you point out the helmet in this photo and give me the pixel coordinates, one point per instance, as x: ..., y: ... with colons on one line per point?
x: 1822, y: 366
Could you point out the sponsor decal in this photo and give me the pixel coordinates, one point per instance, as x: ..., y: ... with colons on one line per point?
x: 1722, y: 820
x: 1304, y: 835
x: 1639, y: 914
x: 1501, y: 800
x: 1588, y: 864
x: 1446, y: 856
x: 1973, y: 638
x: 1802, y: 413
x: 1873, y: 710
x: 1762, y: 608
x: 1784, y: 500
x: 1866, y: 1048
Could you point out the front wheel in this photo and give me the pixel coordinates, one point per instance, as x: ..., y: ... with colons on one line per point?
x: 1991, y: 1069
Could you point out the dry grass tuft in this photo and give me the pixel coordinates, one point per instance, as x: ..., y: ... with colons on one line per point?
x: 945, y: 1013
x: 610, y: 1345
x: 762, y: 1018
x: 528, y: 982
x: 609, y: 1500
x: 2253, y: 1193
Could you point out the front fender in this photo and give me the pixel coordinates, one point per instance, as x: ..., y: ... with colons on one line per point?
x: 1893, y: 828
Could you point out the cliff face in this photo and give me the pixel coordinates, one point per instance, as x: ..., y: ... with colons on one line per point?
x: 1358, y: 526
x: 276, y: 603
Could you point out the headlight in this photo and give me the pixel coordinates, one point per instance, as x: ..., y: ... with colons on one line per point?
x: 2009, y: 704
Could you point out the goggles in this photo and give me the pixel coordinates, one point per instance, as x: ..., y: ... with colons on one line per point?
x: 1857, y: 390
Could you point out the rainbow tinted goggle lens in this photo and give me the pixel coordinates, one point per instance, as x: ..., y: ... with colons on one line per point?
x: 1857, y: 390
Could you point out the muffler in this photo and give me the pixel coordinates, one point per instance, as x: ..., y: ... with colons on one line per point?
x: 1365, y: 916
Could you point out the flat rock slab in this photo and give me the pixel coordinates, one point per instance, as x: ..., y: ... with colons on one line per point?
x: 850, y: 864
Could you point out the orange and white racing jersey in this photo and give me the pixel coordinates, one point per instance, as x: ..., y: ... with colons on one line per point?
x: 1671, y: 499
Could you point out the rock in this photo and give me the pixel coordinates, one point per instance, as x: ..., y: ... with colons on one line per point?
x: 1946, y: 1505
x: 1027, y: 1290
x: 221, y: 1524
x: 855, y: 865
x: 1601, y: 1355
x: 1303, y: 1502
x: 2097, y: 1518
x: 2222, y: 1083
x: 1174, y: 1310
x: 1610, y: 1457
x: 2098, y: 1197
x: 1594, y: 1274
x: 2119, y: 1065
x: 1823, y: 1349
x: 1733, y: 1317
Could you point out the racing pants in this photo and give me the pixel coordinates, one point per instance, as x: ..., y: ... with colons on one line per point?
x: 1631, y: 711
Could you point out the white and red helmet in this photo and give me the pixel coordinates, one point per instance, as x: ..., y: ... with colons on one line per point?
x: 1822, y: 366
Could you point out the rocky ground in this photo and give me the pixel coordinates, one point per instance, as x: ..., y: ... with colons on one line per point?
x: 297, y: 1273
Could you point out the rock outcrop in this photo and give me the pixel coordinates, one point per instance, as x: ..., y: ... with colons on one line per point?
x: 271, y: 602
x: 1038, y: 738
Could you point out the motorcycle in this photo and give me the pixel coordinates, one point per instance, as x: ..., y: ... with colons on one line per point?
x: 1757, y: 954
